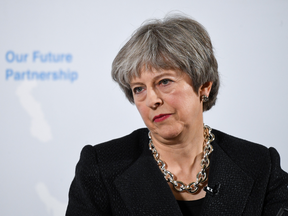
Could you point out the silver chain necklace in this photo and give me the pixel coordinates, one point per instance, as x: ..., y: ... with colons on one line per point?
x: 205, y: 162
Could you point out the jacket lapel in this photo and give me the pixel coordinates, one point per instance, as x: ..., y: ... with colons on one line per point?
x: 144, y: 189
x: 234, y: 186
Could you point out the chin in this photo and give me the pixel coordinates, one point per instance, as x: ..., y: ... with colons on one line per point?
x: 168, y: 132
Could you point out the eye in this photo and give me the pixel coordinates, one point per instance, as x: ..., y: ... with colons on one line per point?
x: 165, y: 81
x: 138, y: 90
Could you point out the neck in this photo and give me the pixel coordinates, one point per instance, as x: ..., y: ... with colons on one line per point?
x: 183, y: 167
x: 183, y: 153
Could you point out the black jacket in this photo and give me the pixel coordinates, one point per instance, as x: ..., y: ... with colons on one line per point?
x: 121, y: 177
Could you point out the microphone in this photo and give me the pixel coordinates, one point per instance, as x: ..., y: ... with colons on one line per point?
x: 282, y: 212
x: 212, y: 190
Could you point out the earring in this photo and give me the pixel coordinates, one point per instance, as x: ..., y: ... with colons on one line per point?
x: 204, y: 98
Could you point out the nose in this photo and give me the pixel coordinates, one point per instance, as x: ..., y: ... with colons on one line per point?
x: 153, y: 99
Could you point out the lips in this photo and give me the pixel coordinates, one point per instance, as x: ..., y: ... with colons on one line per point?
x: 161, y: 117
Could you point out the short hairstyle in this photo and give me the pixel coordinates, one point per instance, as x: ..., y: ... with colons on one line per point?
x: 176, y: 42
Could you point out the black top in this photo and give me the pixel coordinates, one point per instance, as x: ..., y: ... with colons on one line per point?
x: 122, y: 178
x: 190, y: 208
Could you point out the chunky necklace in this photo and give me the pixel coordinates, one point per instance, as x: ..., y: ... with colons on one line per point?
x: 205, y: 162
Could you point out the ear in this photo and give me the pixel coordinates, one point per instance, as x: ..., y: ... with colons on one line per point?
x: 205, y: 89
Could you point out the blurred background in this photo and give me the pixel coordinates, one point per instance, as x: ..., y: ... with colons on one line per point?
x: 57, y: 95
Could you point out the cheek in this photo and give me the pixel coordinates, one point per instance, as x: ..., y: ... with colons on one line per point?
x: 173, y: 98
x: 174, y: 101
x: 179, y: 98
x: 184, y: 100
x: 142, y: 110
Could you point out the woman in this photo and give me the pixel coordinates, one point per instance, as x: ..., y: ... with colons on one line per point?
x: 175, y: 166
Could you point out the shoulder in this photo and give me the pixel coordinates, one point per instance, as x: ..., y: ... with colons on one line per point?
x: 131, y: 144
x: 251, y: 157
x: 98, y: 166
x: 131, y: 141
x: 260, y: 163
x: 233, y: 145
x: 128, y: 141
x: 117, y: 153
x: 247, y: 155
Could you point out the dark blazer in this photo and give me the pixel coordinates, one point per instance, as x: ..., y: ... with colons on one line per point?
x: 121, y: 177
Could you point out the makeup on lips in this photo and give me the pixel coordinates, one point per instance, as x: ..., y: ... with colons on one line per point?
x: 161, y: 117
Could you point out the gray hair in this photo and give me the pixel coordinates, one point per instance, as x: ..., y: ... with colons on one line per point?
x: 176, y: 42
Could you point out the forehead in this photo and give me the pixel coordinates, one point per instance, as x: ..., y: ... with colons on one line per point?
x: 148, y: 75
x: 153, y: 73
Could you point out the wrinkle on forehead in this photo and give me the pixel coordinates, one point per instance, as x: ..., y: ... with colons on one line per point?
x: 153, y: 69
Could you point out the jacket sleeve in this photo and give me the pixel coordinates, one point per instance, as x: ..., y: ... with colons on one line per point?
x: 276, y: 201
x: 88, y: 195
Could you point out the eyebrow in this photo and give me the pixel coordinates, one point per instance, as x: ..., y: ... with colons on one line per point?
x: 135, y: 83
x: 154, y: 78
x: 162, y: 74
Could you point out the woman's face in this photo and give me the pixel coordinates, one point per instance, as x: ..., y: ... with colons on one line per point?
x: 167, y: 103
